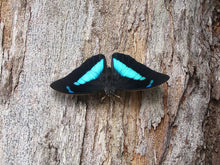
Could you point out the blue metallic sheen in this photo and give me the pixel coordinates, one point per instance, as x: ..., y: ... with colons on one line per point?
x: 149, y: 85
x: 92, y: 74
x: 125, y: 71
x: 69, y: 90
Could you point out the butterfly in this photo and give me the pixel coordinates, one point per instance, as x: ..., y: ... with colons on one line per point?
x: 94, y: 76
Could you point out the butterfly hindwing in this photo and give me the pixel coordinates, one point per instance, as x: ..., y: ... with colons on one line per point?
x: 84, y: 79
x: 132, y: 75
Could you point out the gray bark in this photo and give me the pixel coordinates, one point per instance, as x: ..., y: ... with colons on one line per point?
x: 42, y: 41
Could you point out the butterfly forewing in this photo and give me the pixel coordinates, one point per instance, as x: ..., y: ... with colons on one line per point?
x: 84, y: 79
x: 132, y: 75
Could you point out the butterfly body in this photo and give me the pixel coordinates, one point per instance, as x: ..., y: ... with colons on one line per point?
x: 94, y: 76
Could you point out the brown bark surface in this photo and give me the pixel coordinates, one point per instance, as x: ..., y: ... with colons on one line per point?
x: 176, y: 123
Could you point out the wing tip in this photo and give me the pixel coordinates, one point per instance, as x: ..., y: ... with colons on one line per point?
x: 164, y: 78
x: 58, y: 86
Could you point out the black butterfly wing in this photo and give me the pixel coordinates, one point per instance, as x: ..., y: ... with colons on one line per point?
x: 128, y: 74
x: 84, y: 79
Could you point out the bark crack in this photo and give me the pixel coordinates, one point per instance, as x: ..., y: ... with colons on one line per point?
x: 28, y: 13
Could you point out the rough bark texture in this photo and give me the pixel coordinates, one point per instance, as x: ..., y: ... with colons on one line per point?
x: 176, y: 123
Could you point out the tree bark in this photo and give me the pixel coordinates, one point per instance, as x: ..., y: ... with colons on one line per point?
x: 176, y: 123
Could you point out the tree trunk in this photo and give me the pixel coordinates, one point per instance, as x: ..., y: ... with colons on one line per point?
x: 176, y: 123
